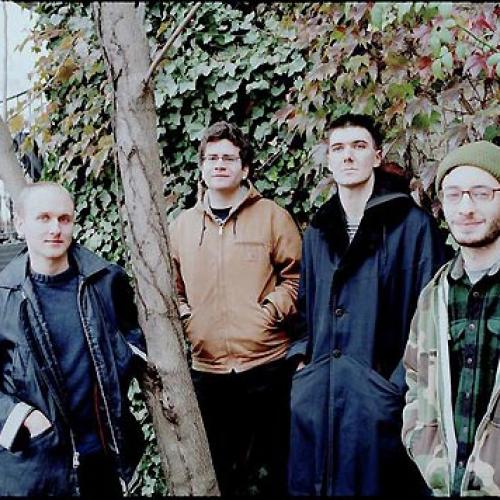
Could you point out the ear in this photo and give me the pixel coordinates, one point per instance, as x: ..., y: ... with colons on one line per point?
x: 19, y: 225
x: 378, y: 158
x: 245, y: 171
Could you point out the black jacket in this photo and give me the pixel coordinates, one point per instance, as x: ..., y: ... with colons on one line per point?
x: 356, y: 302
x: 29, y: 377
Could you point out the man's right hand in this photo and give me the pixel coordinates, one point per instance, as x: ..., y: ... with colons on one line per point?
x: 36, y: 422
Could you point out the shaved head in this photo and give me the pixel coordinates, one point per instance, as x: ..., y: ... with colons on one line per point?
x: 29, y: 189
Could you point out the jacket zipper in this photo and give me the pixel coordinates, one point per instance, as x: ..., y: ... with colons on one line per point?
x: 76, y: 455
x: 98, y: 376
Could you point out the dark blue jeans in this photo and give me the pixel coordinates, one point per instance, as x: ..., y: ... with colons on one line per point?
x: 247, y: 417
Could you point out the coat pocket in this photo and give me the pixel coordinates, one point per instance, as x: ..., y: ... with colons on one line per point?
x: 308, y: 440
x: 429, y: 454
x: 40, y: 468
x: 485, y: 470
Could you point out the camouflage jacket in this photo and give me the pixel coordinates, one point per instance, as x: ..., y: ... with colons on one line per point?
x: 428, y: 429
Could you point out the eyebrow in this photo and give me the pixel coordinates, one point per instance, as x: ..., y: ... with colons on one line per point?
x: 358, y: 141
x: 454, y: 186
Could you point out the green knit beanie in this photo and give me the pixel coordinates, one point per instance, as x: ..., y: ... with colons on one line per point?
x: 482, y: 154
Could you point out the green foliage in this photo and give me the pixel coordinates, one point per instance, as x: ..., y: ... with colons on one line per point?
x: 427, y: 71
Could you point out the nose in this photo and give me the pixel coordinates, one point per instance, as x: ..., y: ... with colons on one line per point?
x: 347, y: 153
x: 220, y: 164
x: 466, y: 205
x: 54, y: 226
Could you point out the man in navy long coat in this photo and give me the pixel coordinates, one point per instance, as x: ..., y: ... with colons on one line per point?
x: 366, y: 255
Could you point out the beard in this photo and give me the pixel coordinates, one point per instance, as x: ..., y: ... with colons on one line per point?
x: 491, y: 234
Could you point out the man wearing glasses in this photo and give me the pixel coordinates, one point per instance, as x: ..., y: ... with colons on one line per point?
x: 451, y: 421
x: 237, y: 257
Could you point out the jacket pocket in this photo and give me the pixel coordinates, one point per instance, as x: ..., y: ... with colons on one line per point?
x: 309, y: 414
x: 428, y: 452
x: 485, y: 473
x: 268, y: 315
x: 253, y: 251
x: 377, y: 381
x: 40, y: 468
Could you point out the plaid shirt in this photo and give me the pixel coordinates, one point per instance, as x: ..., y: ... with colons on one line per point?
x: 474, y: 315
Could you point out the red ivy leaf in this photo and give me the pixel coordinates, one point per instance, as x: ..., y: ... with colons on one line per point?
x: 474, y: 64
x: 424, y: 62
x: 480, y: 23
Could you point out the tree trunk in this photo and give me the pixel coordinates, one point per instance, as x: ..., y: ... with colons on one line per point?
x: 11, y: 171
x: 171, y: 399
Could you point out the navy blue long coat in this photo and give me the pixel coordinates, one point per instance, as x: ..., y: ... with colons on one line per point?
x: 356, y: 303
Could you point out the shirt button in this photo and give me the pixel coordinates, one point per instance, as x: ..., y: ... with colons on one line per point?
x: 460, y: 464
x: 467, y: 395
x: 339, y: 312
x: 476, y: 294
x: 465, y: 428
x: 469, y: 361
x: 337, y: 353
x: 472, y: 326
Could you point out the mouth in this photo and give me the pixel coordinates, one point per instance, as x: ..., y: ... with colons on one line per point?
x: 469, y: 224
x: 54, y: 242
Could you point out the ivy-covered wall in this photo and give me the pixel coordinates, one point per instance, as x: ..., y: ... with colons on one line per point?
x: 427, y: 71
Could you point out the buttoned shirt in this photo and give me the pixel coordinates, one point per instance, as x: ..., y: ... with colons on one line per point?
x: 474, y: 315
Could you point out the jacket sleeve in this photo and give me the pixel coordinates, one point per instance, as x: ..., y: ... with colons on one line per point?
x: 12, y: 415
x: 431, y: 253
x: 410, y: 410
x: 286, y: 261
x: 126, y: 313
x: 300, y: 346
x: 184, y: 308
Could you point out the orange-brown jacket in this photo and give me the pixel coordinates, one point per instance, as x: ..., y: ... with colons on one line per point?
x: 237, y: 282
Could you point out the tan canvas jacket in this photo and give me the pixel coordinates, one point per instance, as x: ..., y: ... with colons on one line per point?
x: 428, y: 426
x: 237, y: 282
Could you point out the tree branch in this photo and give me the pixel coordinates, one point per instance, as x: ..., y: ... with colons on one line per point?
x: 478, y: 39
x: 5, y: 73
x: 170, y: 41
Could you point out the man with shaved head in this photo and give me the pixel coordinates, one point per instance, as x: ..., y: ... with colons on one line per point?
x: 69, y: 346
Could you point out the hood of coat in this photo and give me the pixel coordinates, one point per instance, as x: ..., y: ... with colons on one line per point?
x: 251, y: 196
x: 386, y: 207
x: 87, y: 263
x: 202, y: 206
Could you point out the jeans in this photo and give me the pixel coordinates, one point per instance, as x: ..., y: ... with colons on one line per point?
x: 247, y: 421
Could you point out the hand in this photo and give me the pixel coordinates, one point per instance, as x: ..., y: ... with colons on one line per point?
x: 185, y: 320
x: 36, y: 422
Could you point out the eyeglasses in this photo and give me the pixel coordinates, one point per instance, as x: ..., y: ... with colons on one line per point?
x: 227, y: 159
x: 478, y: 194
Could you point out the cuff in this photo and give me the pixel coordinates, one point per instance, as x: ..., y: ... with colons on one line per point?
x: 13, y: 423
x: 138, y: 352
x: 278, y: 314
x: 184, y: 311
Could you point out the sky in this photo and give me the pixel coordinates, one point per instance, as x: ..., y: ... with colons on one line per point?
x: 19, y: 64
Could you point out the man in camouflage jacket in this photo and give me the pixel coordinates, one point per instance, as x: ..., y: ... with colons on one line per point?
x: 451, y: 421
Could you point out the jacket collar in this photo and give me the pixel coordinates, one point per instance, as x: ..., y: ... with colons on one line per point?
x: 388, y: 204
x: 87, y: 263
x: 251, y: 196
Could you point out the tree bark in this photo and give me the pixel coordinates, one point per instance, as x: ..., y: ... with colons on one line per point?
x: 182, y: 441
x: 11, y: 172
